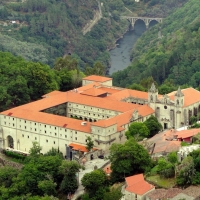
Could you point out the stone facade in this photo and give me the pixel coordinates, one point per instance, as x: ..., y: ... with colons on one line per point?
x: 97, y: 109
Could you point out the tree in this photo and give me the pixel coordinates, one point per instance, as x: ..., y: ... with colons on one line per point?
x: 113, y: 194
x: 35, y: 150
x: 69, y: 170
x: 172, y: 157
x: 185, y: 172
x: 89, y: 144
x: 95, y: 183
x: 6, y: 176
x: 128, y: 159
x: 137, y: 130
x: 153, y: 125
x: 47, y: 187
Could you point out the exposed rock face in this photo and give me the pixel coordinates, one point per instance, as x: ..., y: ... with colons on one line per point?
x: 4, y: 162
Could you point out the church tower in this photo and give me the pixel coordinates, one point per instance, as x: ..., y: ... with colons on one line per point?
x: 179, y: 98
x: 152, y: 94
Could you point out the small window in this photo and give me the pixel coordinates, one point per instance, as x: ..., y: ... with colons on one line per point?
x: 35, y: 129
x: 46, y: 140
x: 5, y: 123
x: 65, y: 136
x: 75, y: 138
x: 35, y: 123
x: 35, y: 138
x: 165, y: 107
x: 76, y: 132
x: 54, y: 142
x: 55, y: 134
x: 55, y: 128
x: 25, y: 127
x: 25, y: 121
x: 13, y: 119
x: 28, y: 136
x: 22, y: 135
x: 85, y: 140
x: 45, y: 131
x: 65, y: 130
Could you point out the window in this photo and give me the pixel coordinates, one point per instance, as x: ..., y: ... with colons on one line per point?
x: 5, y: 123
x: 55, y: 128
x: 65, y: 136
x: 35, y: 138
x: 45, y: 131
x: 35, y: 129
x: 76, y: 132
x: 25, y: 127
x: 54, y: 142
x: 55, y: 134
x: 28, y: 136
x: 46, y: 140
x: 75, y: 138
x: 13, y: 119
x: 65, y: 130
x: 85, y: 140
x: 60, y: 135
x: 13, y: 124
x: 35, y: 123
x: 165, y: 107
x: 25, y: 121
x: 22, y: 135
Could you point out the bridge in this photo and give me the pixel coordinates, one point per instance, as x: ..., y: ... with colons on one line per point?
x: 146, y: 20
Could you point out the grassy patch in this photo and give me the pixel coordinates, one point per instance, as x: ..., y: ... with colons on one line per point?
x: 162, y: 182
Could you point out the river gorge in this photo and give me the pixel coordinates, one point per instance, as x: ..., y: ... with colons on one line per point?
x: 120, y: 56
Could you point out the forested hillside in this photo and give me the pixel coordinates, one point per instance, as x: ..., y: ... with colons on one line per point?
x: 55, y: 26
x: 44, y: 30
x: 172, y: 59
x: 23, y: 81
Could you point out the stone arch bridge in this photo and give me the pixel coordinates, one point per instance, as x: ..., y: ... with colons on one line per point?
x: 146, y: 20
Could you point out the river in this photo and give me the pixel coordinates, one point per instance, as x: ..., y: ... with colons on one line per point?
x: 120, y: 56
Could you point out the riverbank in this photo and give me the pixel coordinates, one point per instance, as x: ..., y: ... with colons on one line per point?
x: 120, y: 54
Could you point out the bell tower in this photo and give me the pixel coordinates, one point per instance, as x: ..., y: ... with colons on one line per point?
x: 152, y: 94
x: 179, y: 98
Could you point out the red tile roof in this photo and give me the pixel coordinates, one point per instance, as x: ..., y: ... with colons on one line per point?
x: 187, y: 133
x: 191, y: 96
x: 50, y: 119
x: 79, y: 147
x: 97, y: 78
x: 137, y: 185
x: 93, y: 92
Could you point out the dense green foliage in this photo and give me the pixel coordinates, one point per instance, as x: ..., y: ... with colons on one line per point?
x: 23, y: 81
x: 95, y: 184
x: 128, y: 159
x: 40, y: 176
x: 137, y: 130
x: 153, y: 125
x: 53, y: 28
x: 169, y: 59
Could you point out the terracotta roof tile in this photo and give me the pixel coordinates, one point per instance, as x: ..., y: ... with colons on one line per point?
x: 191, y: 96
x: 79, y: 147
x: 136, y: 184
x: 110, y: 90
x: 97, y: 78
x: 193, y: 191
x: 50, y: 119
x: 187, y: 133
x: 93, y: 92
